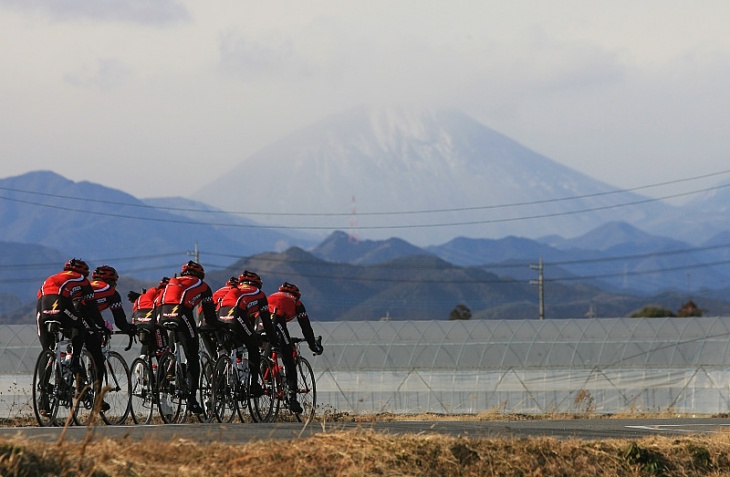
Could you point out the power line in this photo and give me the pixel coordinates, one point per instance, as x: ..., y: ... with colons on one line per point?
x: 376, y: 213
x: 374, y: 227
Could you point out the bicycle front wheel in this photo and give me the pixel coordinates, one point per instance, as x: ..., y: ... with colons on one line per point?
x: 262, y: 407
x: 116, y: 390
x: 142, y: 400
x: 224, y: 390
x: 306, y: 390
x: 169, y: 398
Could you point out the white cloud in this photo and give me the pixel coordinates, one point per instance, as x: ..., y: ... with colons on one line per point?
x: 132, y: 11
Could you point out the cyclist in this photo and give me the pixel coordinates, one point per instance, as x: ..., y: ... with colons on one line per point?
x: 67, y: 297
x: 238, y: 311
x: 285, y: 305
x: 144, y: 316
x: 104, y: 283
x: 207, y: 335
x: 179, y: 298
x: 60, y: 298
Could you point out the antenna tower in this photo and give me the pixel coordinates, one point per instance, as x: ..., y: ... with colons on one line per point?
x: 353, y: 235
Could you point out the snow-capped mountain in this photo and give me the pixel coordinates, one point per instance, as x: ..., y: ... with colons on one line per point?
x: 426, y: 177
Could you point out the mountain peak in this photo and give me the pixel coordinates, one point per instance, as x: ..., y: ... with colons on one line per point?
x: 426, y: 176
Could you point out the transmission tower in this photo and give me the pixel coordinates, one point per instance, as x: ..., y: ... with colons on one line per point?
x: 353, y: 234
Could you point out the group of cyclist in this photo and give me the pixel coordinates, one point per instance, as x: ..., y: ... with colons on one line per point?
x: 240, y: 306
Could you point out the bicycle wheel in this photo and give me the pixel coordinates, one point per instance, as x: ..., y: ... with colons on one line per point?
x: 262, y: 407
x: 169, y: 400
x: 306, y: 390
x: 243, y: 388
x: 205, y: 387
x: 142, y: 400
x: 85, y: 391
x: 116, y: 389
x: 224, y: 390
x: 46, y: 378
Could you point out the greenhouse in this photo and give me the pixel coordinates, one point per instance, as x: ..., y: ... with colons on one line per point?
x: 604, y: 365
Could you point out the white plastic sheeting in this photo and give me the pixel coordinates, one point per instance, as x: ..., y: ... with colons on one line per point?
x: 526, y: 366
x: 605, y: 365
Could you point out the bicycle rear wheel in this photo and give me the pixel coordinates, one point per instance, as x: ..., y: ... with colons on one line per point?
x: 169, y: 398
x: 142, y: 400
x: 205, y: 388
x: 306, y: 390
x: 46, y: 380
x: 262, y: 407
x: 224, y: 390
x: 85, y: 392
x: 116, y: 389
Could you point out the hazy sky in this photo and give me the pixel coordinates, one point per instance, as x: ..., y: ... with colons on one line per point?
x: 161, y: 97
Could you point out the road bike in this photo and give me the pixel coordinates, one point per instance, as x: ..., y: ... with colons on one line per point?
x: 60, y: 394
x: 276, y: 386
x: 173, y: 388
x: 231, y: 383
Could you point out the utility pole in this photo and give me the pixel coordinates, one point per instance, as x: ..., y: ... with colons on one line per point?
x: 540, y: 282
x: 195, y: 253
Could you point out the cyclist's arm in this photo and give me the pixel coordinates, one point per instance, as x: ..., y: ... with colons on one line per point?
x: 303, y: 319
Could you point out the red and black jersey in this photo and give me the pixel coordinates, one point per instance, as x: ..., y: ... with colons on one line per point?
x: 147, y: 300
x: 189, y: 291
x: 285, y: 307
x: 67, y: 284
x: 218, y: 296
x: 246, y: 300
x: 107, y: 297
x: 69, y: 287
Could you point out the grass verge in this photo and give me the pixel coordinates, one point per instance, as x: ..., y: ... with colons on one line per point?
x: 365, y: 453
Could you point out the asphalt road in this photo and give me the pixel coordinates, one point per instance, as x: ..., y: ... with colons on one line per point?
x: 241, y: 433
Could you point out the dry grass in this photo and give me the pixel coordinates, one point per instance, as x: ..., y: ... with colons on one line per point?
x: 366, y: 453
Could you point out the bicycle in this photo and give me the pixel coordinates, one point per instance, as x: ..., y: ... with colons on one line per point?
x: 59, y: 393
x: 275, y: 383
x: 173, y: 388
x: 231, y: 383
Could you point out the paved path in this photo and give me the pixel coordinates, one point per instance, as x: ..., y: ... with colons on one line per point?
x: 240, y: 433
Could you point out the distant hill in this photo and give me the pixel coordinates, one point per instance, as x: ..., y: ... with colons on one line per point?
x: 424, y: 287
x: 99, y: 224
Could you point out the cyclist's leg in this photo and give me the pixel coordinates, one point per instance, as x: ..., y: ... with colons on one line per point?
x: 245, y: 335
x: 93, y: 345
x: 188, y: 336
x: 287, y: 358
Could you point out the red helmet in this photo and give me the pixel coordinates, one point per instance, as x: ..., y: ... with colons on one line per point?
x: 193, y: 268
x: 290, y: 288
x: 163, y: 282
x: 250, y: 277
x: 105, y: 273
x: 232, y: 282
x: 78, y: 266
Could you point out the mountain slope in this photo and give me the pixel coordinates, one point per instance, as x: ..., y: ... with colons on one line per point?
x: 425, y: 177
x: 100, y: 224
